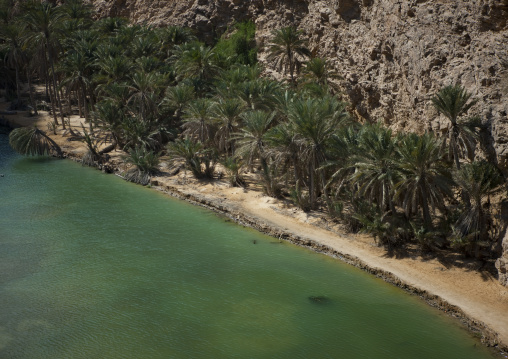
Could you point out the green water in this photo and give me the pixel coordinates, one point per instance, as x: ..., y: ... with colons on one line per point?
x: 94, y: 267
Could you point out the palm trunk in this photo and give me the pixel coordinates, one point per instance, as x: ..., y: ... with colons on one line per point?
x: 425, y: 208
x: 85, y: 107
x: 311, y: 185
x: 52, y: 100
x: 453, y: 144
x: 108, y: 148
x: 59, y: 103
x: 46, y: 82
x: 291, y: 67
x: 18, y: 91
x: 69, y: 107
x: 80, y: 105
x: 32, y: 101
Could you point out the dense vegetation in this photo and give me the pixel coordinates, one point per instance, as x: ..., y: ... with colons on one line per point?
x: 155, y: 92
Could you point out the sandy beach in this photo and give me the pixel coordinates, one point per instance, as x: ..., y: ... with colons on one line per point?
x: 464, y: 291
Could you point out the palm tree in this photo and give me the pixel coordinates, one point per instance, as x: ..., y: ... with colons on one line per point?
x: 43, y: 20
x: 284, y: 148
x: 30, y: 141
x: 171, y: 36
x: 144, y: 90
x: 109, y: 119
x: 195, y: 156
x: 144, y: 45
x: 12, y: 36
x: 77, y: 77
x: 315, y: 121
x: 253, y: 134
x: 116, y: 68
x: 318, y: 70
x: 197, y: 119
x: 287, y: 50
x: 110, y: 25
x: 424, y: 180
x: 79, y: 14
x: 375, y: 171
x: 145, y: 164
x: 195, y: 60
x: 177, y: 97
x: 258, y: 94
x: 479, y: 180
x: 453, y: 102
x: 226, y: 114
x: 233, y: 165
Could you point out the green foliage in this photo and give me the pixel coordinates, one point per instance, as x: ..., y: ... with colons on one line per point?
x: 453, y: 102
x: 30, y: 141
x: 233, y: 166
x: 142, y: 87
x: 200, y: 160
x: 479, y: 180
x: 424, y: 181
x: 145, y: 165
x: 240, y: 46
x: 287, y: 50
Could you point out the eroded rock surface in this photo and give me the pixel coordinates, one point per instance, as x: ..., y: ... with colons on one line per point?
x: 393, y: 55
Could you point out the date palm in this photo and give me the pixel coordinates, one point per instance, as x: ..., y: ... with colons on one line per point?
x: 226, y: 114
x: 424, y: 180
x: 191, y: 152
x: 171, y: 36
x: 79, y: 14
x: 77, y: 77
x: 30, y: 141
x: 109, y: 119
x: 144, y: 89
x: 258, y: 94
x: 176, y: 98
x: 287, y: 50
x: 198, y: 119
x: 454, y: 102
x: 195, y: 60
x: 375, y: 167
x: 479, y: 180
x: 315, y: 121
x: 115, y: 68
x: 11, y: 41
x: 318, y: 70
x: 145, y: 164
x: 43, y: 20
x: 110, y: 25
x: 252, y: 137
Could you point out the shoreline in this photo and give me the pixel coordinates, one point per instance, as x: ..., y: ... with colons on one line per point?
x: 409, y: 274
x: 489, y: 337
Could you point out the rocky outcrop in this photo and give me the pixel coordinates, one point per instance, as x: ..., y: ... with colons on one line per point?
x: 502, y: 267
x: 393, y: 55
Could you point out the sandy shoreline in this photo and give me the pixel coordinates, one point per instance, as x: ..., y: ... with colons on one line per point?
x: 476, y: 298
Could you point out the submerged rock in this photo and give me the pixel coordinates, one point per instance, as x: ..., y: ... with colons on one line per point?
x: 319, y: 299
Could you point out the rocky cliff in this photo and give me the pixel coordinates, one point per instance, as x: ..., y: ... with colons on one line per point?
x: 393, y: 55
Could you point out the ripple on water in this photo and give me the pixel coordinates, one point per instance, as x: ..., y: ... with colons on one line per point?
x: 93, y: 267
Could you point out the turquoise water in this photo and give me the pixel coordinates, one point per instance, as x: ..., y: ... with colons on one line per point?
x: 94, y: 267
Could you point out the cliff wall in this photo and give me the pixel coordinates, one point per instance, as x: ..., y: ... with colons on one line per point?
x: 393, y: 55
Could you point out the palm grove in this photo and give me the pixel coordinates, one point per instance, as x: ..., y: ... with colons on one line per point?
x: 155, y: 92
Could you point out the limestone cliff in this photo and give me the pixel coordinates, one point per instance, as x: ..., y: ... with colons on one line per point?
x: 393, y: 55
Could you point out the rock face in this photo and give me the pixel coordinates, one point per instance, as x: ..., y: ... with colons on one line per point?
x: 502, y: 267
x: 393, y: 55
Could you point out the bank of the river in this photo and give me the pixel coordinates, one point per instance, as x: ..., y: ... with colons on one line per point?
x: 473, y: 296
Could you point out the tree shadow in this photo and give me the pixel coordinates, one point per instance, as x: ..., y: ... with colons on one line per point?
x: 448, y: 259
